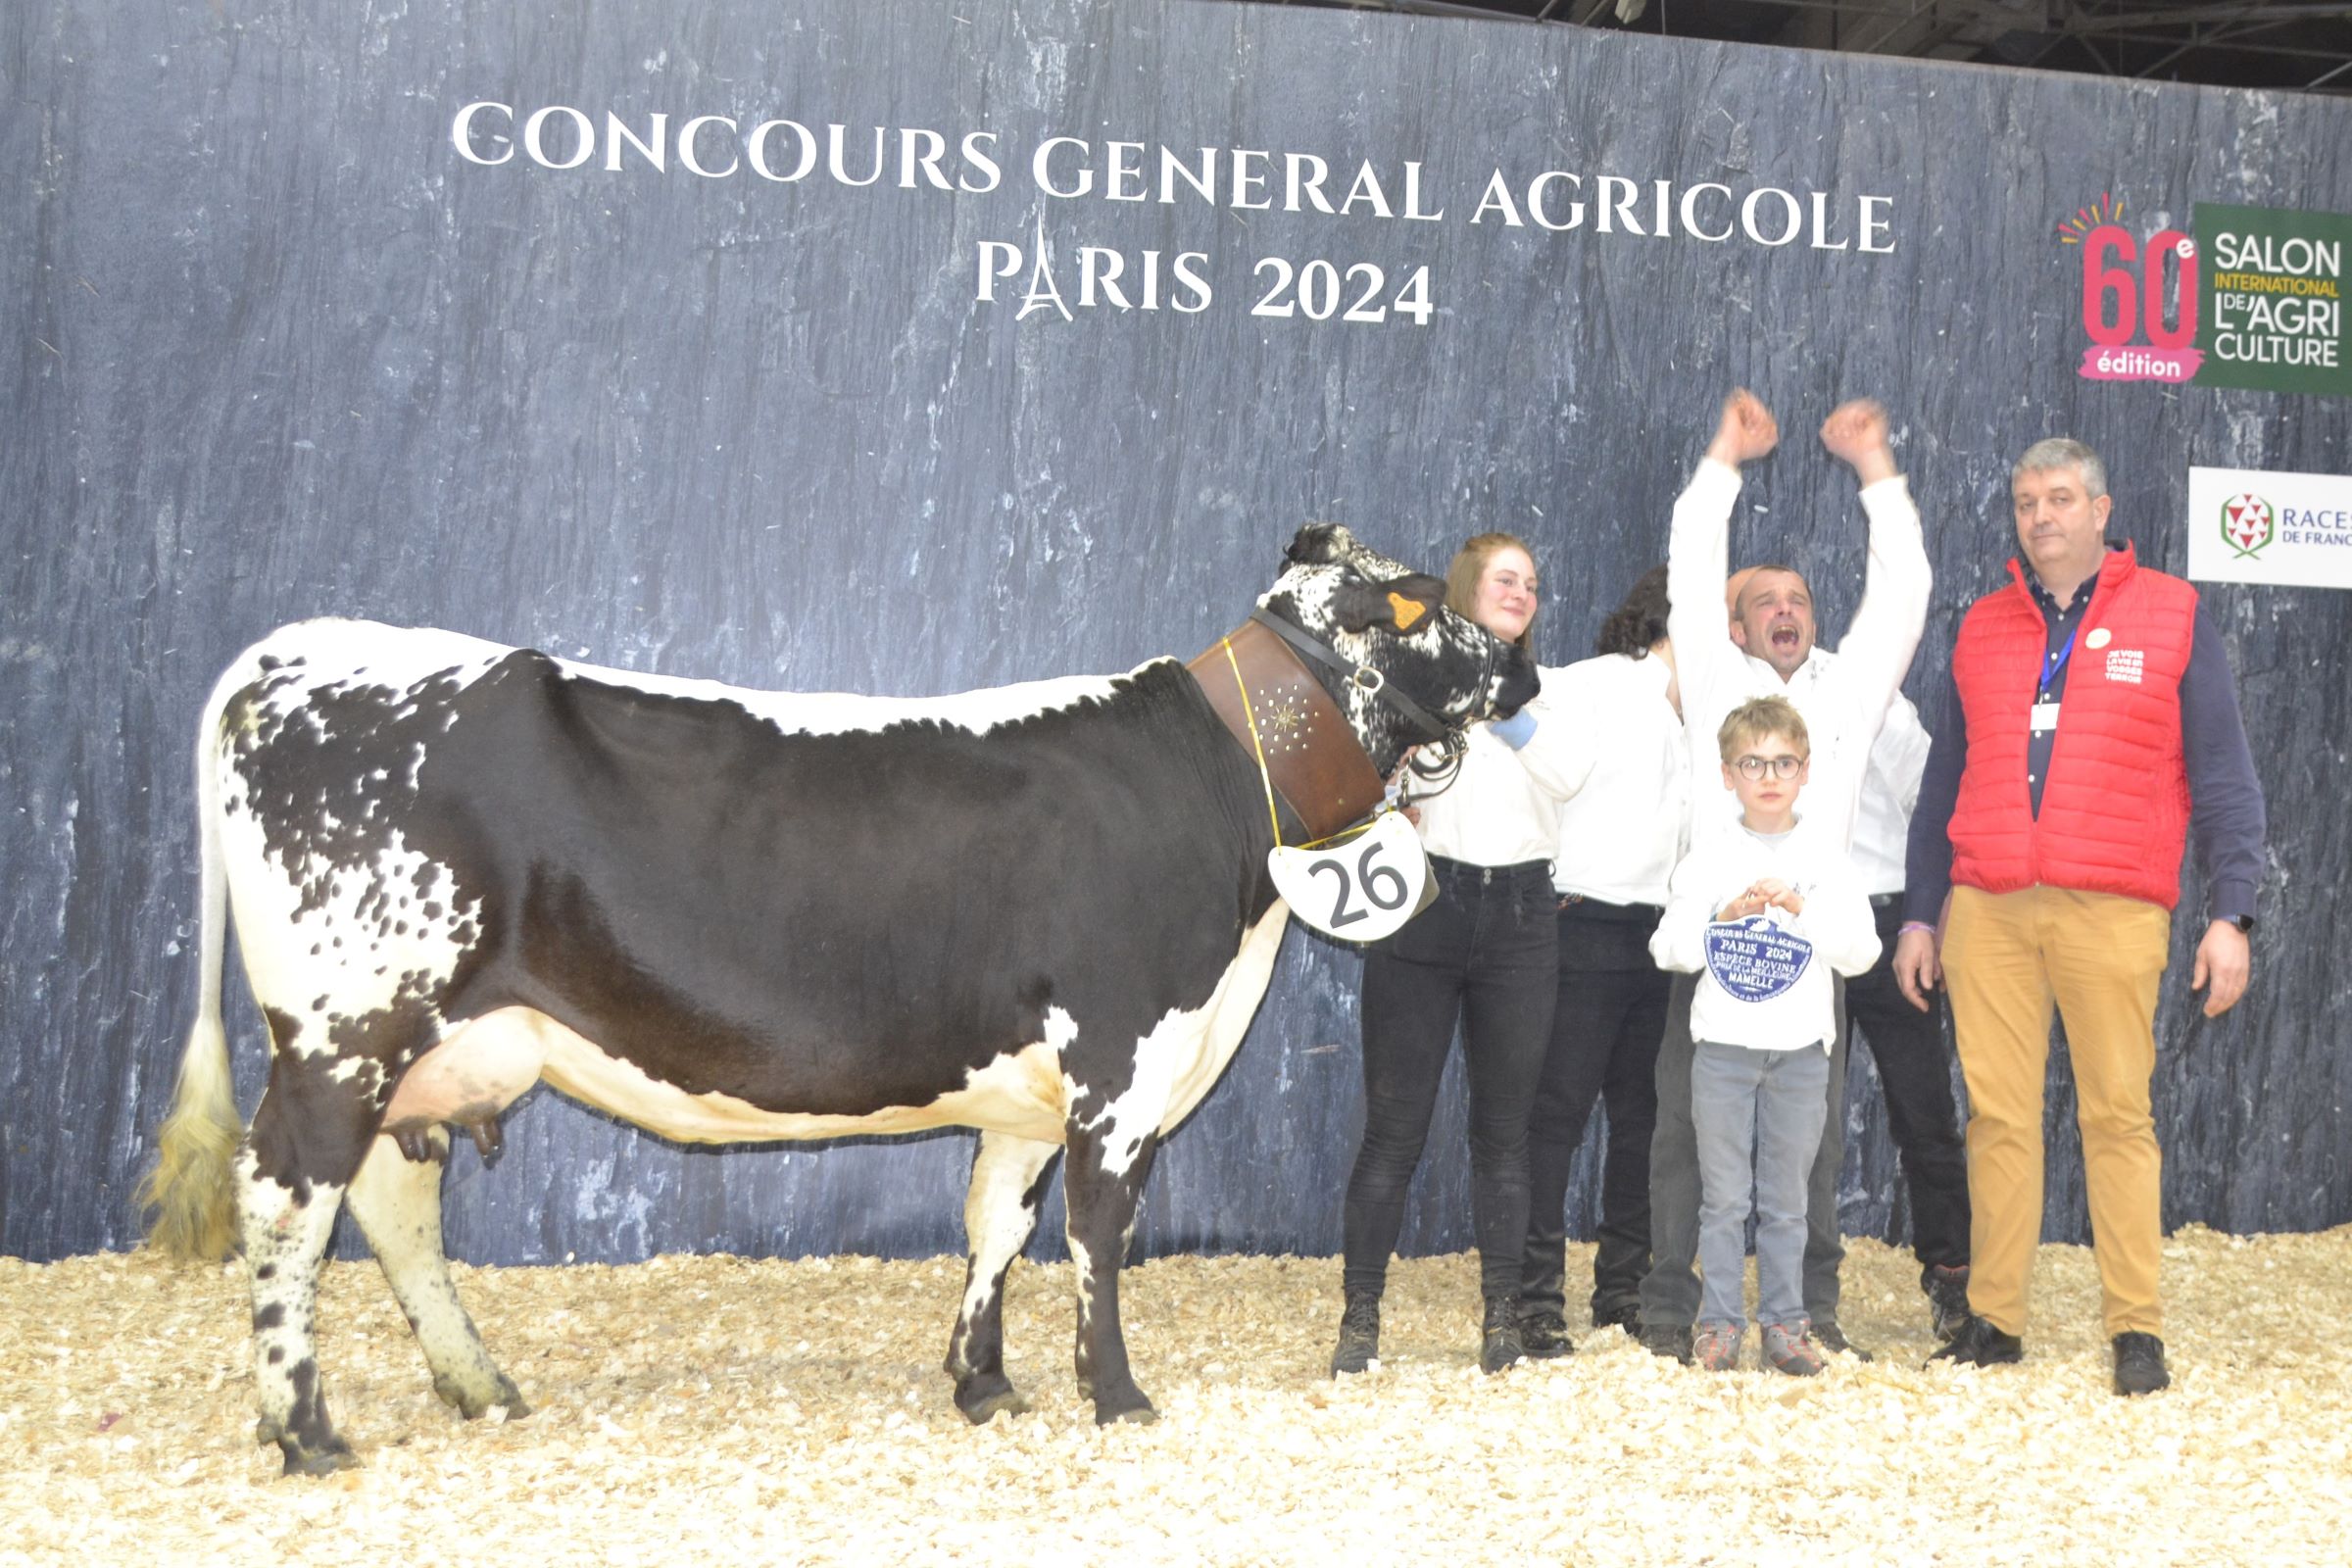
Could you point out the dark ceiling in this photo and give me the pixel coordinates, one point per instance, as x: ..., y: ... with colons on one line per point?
x: 2283, y: 45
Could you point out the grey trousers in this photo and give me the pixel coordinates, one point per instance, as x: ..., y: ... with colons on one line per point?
x: 1758, y: 1114
x: 1670, y: 1291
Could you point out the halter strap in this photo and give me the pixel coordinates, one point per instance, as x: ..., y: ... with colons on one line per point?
x: 1363, y: 676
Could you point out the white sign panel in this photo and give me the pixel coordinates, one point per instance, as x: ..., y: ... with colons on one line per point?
x: 2250, y: 525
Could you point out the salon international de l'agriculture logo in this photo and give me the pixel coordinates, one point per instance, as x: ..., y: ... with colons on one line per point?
x: 2250, y: 297
x: 2248, y: 522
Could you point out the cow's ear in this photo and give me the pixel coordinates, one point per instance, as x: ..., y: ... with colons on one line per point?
x: 1400, y: 604
x: 1320, y: 544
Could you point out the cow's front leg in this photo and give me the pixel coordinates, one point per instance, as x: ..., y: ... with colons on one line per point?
x: 1103, y: 1184
x: 1000, y: 1212
x: 396, y: 1202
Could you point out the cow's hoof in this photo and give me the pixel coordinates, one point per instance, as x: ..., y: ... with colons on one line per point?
x: 475, y: 1406
x: 1136, y: 1410
x: 982, y: 1401
x: 1143, y: 1415
x: 333, y: 1455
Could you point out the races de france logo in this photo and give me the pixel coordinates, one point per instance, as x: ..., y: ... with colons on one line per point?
x: 1753, y: 959
x: 2248, y: 522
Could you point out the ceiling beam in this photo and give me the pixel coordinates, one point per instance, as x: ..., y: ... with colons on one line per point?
x: 2080, y: 21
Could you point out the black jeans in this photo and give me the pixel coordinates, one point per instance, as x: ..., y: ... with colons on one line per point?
x: 1915, y: 1069
x: 1484, y: 953
x: 1670, y: 1289
x: 1605, y: 1026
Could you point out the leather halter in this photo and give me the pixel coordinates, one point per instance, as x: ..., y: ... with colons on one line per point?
x: 1448, y: 738
x: 1365, y: 677
x: 1282, y: 716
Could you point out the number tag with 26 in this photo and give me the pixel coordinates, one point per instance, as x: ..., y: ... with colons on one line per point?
x: 1363, y: 890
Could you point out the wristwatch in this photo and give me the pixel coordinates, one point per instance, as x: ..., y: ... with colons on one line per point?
x: 2244, y: 922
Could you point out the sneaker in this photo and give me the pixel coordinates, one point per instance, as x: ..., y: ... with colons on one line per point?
x: 1716, y: 1347
x: 1360, y: 1335
x: 2140, y: 1364
x: 1946, y: 1286
x: 1830, y: 1337
x: 1499, y: 1344
x: 1788, y: 1348
x: 1669, y: 1340
x: 1545, y: 1334
x: 1980, y: 1344
x: 1626, y: 1315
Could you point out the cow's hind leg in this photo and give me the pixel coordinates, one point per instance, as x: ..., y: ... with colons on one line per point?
x: 316, y: 1123
x: 1000, y: 1212
x: 396, y: 1202
x: 305, y: 1143
x: 1103, y: 1184
x: 286, y: 1227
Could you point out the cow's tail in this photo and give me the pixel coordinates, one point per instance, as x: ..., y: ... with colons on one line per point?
x: 189, y: 1194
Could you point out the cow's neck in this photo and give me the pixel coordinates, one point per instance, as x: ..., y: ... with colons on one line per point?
x: 1302, y: 746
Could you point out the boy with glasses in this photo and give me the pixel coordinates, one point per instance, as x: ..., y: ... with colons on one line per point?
x: 1763, y: 914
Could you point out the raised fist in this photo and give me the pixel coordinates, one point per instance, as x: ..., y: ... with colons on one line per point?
x: 1747, y: 431
x: 1856, y: 434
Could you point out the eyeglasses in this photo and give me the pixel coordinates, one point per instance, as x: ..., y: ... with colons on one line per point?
x: 1780, y: 766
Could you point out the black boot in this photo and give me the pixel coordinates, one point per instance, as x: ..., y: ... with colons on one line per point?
x: 2140, y: 1364
x: 1499, y: 1344
x: 1544, y: 1336
x: 1830, y: 1337
x: 1359, y: 1334
x: 1946, y: 1287
x: 1980, y: 1344
x: 1670, y: 1342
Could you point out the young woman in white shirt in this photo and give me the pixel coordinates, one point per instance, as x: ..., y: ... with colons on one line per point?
x: 1484, y: 955
x: 1620, y: 835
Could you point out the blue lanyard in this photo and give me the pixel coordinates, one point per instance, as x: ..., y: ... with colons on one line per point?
x: 2058, y: 663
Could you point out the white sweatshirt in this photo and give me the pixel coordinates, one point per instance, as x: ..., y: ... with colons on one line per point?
x: 1764, y: 981
x: 1504, y: 807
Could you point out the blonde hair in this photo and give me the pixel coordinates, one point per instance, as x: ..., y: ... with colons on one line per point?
x: 1758, y: 717
x: 1470, y: 565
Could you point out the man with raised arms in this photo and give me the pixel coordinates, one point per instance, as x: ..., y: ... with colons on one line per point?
x: 1844, y: 703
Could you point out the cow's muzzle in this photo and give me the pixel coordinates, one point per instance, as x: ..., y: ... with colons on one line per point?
x: 1515, y: 682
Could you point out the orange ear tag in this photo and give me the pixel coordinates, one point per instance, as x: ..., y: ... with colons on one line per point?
x: 1407, y: 610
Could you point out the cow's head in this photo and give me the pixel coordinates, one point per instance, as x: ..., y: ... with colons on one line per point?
x: 1379, y: 615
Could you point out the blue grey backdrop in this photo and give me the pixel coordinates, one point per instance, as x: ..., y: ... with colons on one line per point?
x: 275, y: 349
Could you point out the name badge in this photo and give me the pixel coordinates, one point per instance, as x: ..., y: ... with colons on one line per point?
x: 1363, y: 890
x: 2046, y: 718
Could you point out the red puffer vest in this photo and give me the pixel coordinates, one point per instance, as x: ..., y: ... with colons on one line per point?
x: 2115, y: 807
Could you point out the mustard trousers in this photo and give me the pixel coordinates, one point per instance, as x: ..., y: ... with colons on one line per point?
x: 2007, y: 958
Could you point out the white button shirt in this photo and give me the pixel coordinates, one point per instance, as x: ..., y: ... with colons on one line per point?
x: 1844, y: 701
x: 1502, y: 809
x: 1628, y: 770
x: 1898, y: 759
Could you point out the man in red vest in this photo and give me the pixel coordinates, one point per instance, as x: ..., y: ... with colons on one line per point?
x: 2093, y: 727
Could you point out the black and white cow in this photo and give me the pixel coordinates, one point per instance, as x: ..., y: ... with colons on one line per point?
x: 457, y: 869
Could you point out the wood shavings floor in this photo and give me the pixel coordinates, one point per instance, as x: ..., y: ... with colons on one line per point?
x: 714, y: 1410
